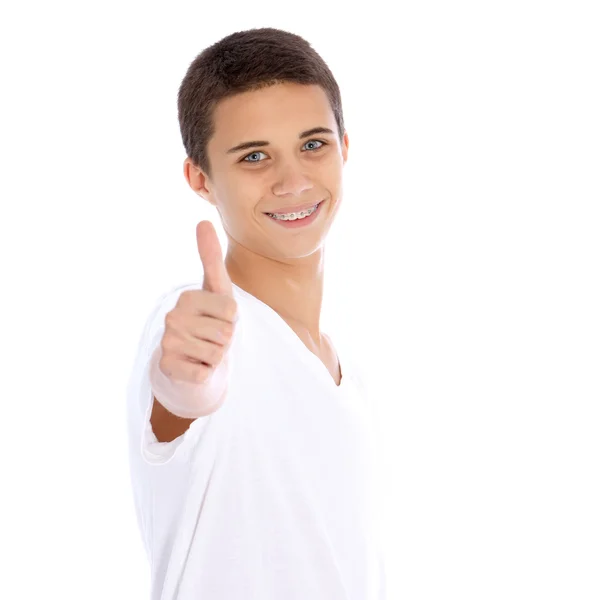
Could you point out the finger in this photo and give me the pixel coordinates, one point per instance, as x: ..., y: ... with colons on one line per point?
x: 205, y: 303
x: 210, y: 330
x: 199, y: 351
x: 178, y: 369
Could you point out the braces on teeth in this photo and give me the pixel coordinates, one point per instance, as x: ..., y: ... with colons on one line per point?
x: 293, y: 216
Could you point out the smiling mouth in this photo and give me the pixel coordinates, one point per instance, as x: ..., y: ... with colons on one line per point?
x: 295, y: 216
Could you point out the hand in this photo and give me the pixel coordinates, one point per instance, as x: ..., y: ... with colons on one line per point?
x: 199, y: 329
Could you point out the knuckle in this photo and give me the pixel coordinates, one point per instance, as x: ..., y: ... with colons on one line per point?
x: 162, y: 365
x: 170, y: 319
x: 168, y: 343
x: 189, y: 300
x: 185, y: 297
x: 167, y: 366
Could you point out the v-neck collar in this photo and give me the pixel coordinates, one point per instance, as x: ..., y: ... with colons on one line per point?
x: 295, y: 338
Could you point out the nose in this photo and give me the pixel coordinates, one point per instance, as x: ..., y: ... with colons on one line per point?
x: 291, y: 179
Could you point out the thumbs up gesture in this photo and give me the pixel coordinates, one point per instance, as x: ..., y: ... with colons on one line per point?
x: 199, y: 329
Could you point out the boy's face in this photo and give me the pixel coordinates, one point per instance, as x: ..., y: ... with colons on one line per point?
x: 247, y: 183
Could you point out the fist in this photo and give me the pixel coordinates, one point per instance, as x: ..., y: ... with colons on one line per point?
x: 199, y: 329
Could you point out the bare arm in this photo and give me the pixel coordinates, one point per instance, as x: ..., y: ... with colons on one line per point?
x: 166, y: 425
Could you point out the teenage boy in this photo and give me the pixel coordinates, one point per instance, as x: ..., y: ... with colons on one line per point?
x: 251, y: 446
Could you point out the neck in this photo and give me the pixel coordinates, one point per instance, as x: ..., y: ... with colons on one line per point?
x: 293, y: 289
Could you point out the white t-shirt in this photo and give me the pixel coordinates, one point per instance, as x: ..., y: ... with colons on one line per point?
x: 274, y: 495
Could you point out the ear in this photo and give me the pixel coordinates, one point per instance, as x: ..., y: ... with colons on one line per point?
x: 345, y: 144
x: 198, y: 180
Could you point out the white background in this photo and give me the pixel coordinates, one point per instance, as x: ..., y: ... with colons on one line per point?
x: 466, y: 258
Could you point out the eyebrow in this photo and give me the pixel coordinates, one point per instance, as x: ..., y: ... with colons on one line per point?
x: 255, y: 143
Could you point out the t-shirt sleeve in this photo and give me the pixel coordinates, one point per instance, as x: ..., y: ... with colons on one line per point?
x: 140, y: 396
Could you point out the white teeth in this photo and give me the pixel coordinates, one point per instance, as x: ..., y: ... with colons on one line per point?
x: 293, y: 216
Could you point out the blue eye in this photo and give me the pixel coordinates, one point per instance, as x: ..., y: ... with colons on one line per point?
x: 318, y: 142
x: 245, y: 159
x: 253, y: 153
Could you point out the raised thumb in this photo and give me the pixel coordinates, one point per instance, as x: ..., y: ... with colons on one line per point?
x: 216, y: 278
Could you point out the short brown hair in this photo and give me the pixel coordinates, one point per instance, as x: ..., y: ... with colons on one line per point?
x: 241, y: 62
